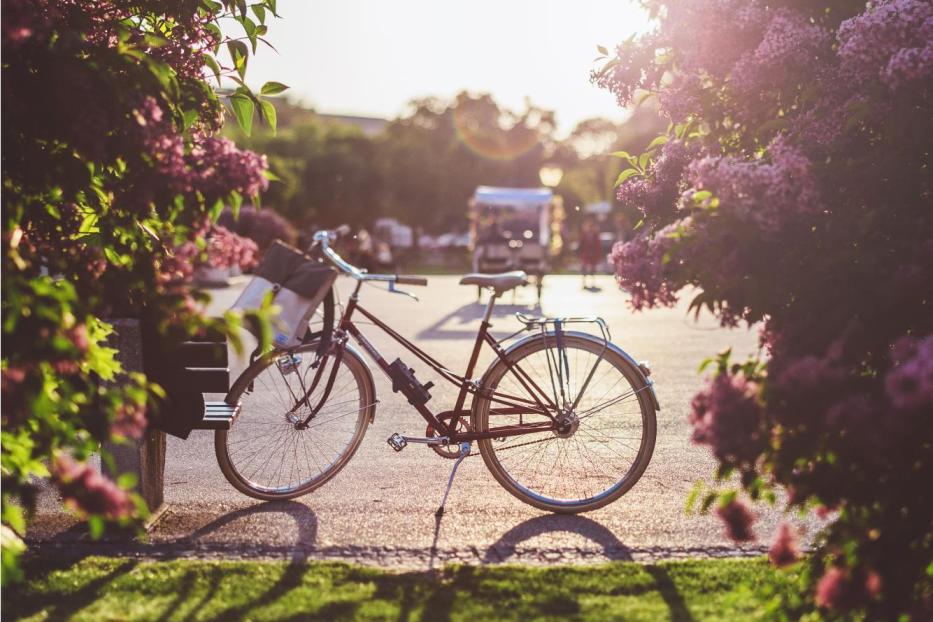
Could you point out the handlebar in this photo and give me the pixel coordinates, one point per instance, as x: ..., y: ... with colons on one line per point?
x: 411, y: 280
x: 323, y: 239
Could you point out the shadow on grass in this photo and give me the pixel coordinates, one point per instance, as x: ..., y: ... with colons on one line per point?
x: 341, y: 592
x: 670, y: 594
x: 306, y: 522
x: 19, y: 601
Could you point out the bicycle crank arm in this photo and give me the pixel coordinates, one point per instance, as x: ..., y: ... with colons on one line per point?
x: 399, y: 442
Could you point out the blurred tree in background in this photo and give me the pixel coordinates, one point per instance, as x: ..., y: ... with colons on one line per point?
x: 423, y: 167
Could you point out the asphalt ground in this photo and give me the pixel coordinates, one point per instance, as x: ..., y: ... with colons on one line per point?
x: 381, y: 508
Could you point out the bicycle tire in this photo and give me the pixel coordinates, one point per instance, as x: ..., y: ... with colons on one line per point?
x: 492, y: 450
x: 365, y: 413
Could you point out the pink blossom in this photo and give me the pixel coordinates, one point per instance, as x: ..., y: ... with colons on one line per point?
x: 87, y: 491
x: 226, y: 249
x: 727, y: 417
x: 738, y: 521
x: 834, y: 590
x: 909, y: 384
x: 784, y: 550
x: 78, y: 336
x: 769, y: 193
x: 130, y: 421
x: 640, y: 265
x: 790, y: 47
x: 872, y: 44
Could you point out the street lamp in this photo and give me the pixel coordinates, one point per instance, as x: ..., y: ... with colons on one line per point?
x: 550, y: 176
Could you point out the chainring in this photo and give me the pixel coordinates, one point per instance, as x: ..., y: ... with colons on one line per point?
x: 451, y: 452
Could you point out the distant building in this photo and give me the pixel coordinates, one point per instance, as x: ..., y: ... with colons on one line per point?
x: 370, y: 126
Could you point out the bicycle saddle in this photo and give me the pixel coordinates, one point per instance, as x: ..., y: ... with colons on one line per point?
x: 502, y: 282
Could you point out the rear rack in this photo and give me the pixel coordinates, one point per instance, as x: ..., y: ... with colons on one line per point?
x: 557, y: 363
x: 532, y: 321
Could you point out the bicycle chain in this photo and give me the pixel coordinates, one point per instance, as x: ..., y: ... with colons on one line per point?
x: 515, y: 446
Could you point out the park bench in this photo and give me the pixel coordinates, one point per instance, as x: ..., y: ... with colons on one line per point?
x: 187, y: 371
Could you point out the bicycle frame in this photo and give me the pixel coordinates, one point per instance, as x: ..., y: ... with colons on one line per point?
x: 540, y: 403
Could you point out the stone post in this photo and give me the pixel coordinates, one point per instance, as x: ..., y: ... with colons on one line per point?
x: 144, y: 457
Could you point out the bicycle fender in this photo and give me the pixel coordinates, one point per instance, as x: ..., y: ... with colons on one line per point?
x: 352, y: 351
x: 616, y: 349
x: 348, y: 350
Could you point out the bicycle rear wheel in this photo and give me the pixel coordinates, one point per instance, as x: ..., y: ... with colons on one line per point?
x: 597, y: 458
x: 265, y: 454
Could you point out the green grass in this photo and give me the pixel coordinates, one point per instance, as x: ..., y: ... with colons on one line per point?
x: 125, y: 589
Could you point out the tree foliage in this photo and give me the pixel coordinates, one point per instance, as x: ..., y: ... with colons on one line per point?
x: 111, y: 174
x: 793, y: 189
x: 425, y: 165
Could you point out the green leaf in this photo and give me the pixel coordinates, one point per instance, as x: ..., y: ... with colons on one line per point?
x: 236, y: 201
x: 660, y: 140
x: 690, y: 505
x: 249, y: 27
x: 643, y: 159
x: 243, y: 111
x: 239, y: 53
x: 626, y: 174
x: 268, y: 111
x: 212, y: 64
x: 621, y: 154
x: 189, y: 117
x: 644, y: 97
x: 95, y: 525
x: 14, y: 517
x: 272, y: 88
x: 216, y: 210
x: 608, y: 67
x: 260, y: 12
x: 707, y: 502
x: 216, y: 33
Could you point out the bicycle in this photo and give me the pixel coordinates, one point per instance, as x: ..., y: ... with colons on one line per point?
x: 552, y: 426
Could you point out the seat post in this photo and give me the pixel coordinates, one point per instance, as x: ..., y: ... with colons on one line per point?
x: 477, y: 346
x: 493, y: 294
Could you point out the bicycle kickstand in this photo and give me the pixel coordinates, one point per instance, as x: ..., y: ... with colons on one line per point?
x: 465, y: 449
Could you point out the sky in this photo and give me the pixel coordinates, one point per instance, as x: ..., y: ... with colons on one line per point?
x: 370, y: 57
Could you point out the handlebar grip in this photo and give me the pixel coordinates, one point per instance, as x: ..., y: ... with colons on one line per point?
x: 411, y: 280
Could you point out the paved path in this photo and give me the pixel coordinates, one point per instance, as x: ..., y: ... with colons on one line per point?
x: 380, y: 509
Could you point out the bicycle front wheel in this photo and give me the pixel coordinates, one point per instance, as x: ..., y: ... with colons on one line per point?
x: 610, y: 433
x: 267, y: 454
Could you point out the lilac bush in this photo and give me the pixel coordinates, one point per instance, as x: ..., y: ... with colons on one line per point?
x: 112, y: 173
x: 792, y: 192
x: 261, y: 226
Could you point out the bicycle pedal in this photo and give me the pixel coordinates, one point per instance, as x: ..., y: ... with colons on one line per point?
x: 397, y: 442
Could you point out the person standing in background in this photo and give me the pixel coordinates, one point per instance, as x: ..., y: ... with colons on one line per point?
x: 589, y: 250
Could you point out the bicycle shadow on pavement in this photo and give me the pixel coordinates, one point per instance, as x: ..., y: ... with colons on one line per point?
x: 508, y: 543
x: 303, y: 518
x: 463, y: 323
x: 296, y: 552
x: 506, y: 547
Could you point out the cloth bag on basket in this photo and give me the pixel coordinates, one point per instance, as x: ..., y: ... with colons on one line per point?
x: 299, y: 284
